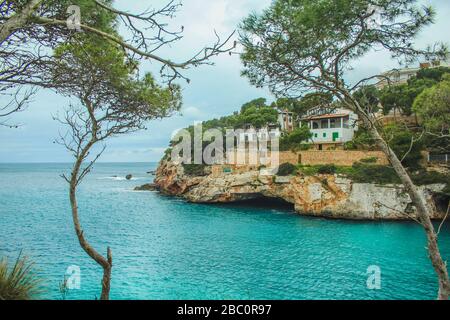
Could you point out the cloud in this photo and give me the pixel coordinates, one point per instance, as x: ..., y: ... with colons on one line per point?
x: 192, y: 113
x: 214, y: 90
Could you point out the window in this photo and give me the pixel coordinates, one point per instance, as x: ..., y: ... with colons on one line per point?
x: 324, y: 124
x: 346, y: 122
x: 335, y: 123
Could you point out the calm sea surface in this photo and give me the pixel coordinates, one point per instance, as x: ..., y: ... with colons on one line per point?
x: 165, y: 248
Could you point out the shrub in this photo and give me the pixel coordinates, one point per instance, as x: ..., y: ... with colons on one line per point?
x: 327, y: 169
x: 400, y: 141
x: 423, y: 177
x: 365, y: 173
x: 307, y: 170
x: 370, y: 160
x: 195, y: 170
x: 286, y: 169
x: 18, y: 282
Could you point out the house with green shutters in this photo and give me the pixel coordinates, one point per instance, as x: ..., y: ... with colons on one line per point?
x: 330, y: 128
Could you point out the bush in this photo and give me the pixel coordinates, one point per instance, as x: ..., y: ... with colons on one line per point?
x: 423, y: 177
x: 286, y: 169
x: 307, y: 170
x: 195, y: 170
x: 400, y: 141
x: 327, y: 169
x: 18, y: 282
x: 370, y: 160
x: 364, y: 173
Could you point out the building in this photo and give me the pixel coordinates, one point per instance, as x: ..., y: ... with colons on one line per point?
x: 251, y: 135
x: 401, y: 76
x: 330, y: 128
x: 286, y: 120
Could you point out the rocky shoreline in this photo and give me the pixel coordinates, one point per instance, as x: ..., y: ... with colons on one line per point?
x: 322, y: 195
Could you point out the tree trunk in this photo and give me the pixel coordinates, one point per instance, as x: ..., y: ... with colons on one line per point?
x: 106, y: 264
x: 18, y: 20
x: 423, y: 211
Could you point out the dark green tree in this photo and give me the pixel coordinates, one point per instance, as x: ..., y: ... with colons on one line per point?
x: 293, y: 141
x: 433, y: 108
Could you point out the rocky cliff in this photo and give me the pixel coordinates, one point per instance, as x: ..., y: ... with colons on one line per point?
x: 329, y: 196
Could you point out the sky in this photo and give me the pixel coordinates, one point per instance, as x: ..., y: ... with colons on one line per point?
x: 213, y: 91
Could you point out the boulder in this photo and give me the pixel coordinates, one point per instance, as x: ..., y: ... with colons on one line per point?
x: 147, y: 187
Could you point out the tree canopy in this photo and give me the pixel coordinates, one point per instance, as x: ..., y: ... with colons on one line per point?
x: 433, y: 107
x: 401, y: 97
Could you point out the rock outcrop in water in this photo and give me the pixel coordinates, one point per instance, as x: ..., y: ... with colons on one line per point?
x: 330, y: 196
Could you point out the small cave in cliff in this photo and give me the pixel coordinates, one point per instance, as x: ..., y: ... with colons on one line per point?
x: 263, y: 202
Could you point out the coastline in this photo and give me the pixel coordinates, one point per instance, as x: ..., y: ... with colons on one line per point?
x: 330, y: 196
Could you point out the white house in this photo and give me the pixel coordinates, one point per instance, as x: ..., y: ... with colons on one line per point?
x: 330, y: 128
x: 250, y: 134
x: 401, y: 76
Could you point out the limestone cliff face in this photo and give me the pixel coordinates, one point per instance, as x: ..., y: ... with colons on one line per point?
x: 329, y: 196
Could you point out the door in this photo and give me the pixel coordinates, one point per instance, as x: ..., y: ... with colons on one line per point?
x: 335, y: 136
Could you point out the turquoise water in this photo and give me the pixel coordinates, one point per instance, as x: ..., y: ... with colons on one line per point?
x: 164, y: 248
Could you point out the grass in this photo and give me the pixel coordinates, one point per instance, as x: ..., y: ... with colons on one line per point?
x: 19, y: 282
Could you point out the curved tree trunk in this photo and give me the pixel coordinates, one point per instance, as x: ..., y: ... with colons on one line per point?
x: 423, y: 210
x: 105, y: 263
x: 18, y: 20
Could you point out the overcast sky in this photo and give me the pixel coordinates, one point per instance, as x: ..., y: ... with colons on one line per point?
x: 214, y: 90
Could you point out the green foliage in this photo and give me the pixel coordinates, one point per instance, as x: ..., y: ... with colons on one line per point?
x: 369, y: 160
x: 256, y: 103
x: 195, y: 170
x: 369, y: 173
x: 400, y: 140
x: 433, y: 107
x: 19, y: 282
x: 368, y: 98
x: 309, y: 170
x: 361, y: 141
x: 257, y: 116
x: 293, y: 141
x: 286, y: 169
x: 301, y: 106
x: 402, y: 96
x: 434, y: 74
x: 423, y: 177
x: 303, y: 45
x: 100, y: 72
x: 327, y: 169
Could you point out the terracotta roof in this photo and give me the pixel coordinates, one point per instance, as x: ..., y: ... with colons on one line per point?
x: 327, y: 116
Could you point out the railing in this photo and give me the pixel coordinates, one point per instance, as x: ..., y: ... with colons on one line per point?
x: 439, y: 158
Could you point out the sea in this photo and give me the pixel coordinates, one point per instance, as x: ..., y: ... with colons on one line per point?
x: 166, y: 248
